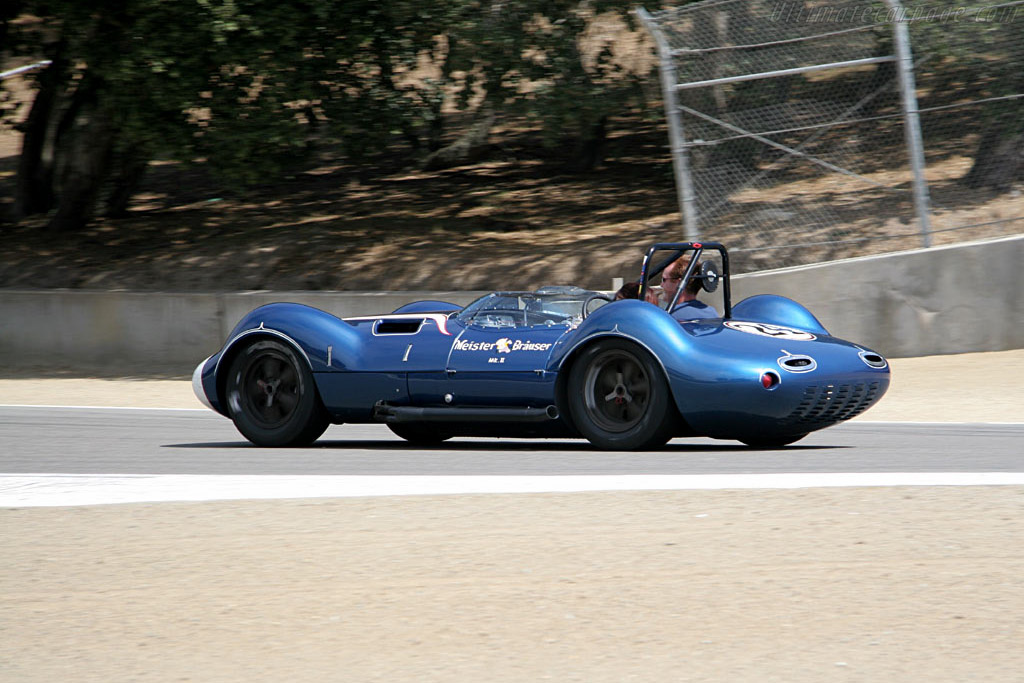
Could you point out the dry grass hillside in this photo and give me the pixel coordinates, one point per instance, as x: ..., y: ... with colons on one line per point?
x: 514, y: 220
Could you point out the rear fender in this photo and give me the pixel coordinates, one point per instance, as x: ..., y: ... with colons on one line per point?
x: 777, y: 310
x: 647, y: 326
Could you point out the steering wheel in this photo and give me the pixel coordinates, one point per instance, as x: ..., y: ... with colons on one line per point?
x: 594, y: 297
x: 546, y: 318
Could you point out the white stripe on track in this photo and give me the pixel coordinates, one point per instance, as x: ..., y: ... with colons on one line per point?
x: 48, y: 490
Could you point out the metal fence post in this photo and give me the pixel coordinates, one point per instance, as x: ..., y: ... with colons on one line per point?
x: 23, y: 69
x: 676, y: 135
x: 911, y: 117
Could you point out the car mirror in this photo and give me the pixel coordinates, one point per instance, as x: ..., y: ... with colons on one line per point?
x: 709, y: 276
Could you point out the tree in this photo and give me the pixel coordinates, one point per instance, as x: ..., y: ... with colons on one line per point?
x: 976, y: 56
x: 247, y: 86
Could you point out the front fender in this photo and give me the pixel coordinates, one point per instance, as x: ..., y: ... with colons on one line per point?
x: 325, y: 342
x: 328, y: 343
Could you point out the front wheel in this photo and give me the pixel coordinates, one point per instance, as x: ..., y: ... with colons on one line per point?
x: 619, y: 397
x: 271, y: 396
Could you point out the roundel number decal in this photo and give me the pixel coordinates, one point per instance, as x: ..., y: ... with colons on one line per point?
x: 773, y: 331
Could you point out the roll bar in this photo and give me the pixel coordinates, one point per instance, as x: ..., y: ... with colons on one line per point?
x: 678, y: 249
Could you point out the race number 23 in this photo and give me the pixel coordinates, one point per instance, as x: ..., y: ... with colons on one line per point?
x: 773, y: 331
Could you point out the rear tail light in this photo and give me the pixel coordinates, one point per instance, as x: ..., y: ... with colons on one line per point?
x: 769, y: 380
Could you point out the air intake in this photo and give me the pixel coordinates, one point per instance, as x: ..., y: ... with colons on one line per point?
x: 797, y: 363
x: 872, y: 359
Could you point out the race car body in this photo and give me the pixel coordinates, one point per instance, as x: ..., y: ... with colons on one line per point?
x: 556, y: 362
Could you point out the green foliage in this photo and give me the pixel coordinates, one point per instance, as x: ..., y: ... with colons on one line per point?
x: 247, y: 86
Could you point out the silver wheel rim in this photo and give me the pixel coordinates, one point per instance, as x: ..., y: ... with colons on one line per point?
x: 617, y: 391
x: 270, y: 388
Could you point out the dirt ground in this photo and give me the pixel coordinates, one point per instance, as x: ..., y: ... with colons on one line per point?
x: 516, y: 219
x: 880, y: 584
x: 893, y: 584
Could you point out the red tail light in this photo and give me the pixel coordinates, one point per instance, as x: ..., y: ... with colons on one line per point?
x: 769, y: 380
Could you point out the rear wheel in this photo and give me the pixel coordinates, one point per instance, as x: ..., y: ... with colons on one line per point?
x: 619, y: 398
x: 272, y: 398
x: 419, y: 435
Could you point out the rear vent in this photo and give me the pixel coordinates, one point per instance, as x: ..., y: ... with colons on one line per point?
x: 398, y: 326
x: 826, y: 405
x: 797, y: 363
x: 872, y: 359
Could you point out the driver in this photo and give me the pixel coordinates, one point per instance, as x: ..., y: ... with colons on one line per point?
x: 687, y: 307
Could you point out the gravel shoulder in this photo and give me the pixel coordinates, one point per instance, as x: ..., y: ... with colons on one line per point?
x: 884, y: 584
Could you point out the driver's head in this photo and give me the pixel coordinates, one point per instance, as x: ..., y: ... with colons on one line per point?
x: 630, y: 290
x: 694, y: 285
x: 673, y: 276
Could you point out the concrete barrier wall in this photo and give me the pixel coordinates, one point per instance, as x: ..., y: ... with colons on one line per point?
x: 942, y: 300
x: 150, y: 333
x: 954, y: 299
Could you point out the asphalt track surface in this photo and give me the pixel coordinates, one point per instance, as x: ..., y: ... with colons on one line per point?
x: 152, y: 441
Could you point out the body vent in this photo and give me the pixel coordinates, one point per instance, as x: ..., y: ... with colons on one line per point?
x: 398, y: 327
x: 872, y: 359
x: 797, y: 363
x: 828, y: 404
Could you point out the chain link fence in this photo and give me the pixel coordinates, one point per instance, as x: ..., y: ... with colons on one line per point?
x: 799, y: 135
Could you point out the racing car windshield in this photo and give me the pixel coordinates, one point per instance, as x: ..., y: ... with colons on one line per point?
x: 548, y: 306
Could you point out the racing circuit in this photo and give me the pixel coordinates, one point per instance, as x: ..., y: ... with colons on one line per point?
x: 139, y: 455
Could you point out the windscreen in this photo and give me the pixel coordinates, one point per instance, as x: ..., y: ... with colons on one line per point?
x: 550, y: 306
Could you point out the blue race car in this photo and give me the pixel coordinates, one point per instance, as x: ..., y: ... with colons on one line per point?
x: 556, y: 362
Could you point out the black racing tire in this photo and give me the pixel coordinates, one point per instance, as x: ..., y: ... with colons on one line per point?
x: 772, y: 443
x: 619, y: 398
x: 419, y: 434
x: 272, y: 398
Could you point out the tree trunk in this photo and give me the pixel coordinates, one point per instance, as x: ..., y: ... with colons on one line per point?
x: 435, y: 131
x: 128, y: 169
x: 589, y: 149
x: 87, y: 148
x: 387, y: 79
x: 34, y: 193
x: 999, y: 161
x: 469, y: 147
